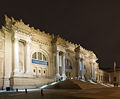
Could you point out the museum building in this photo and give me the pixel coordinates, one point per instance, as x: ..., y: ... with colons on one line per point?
x: 30, y: 58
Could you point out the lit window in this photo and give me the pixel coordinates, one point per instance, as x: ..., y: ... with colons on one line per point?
x: 39, y: 56
x: 44, y: 58
x: 34, y: 55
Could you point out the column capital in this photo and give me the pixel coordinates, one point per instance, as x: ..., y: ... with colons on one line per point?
x: 63, y: 53
x: 57, y: 51
x: 28, y: 41
x: 16, y: 39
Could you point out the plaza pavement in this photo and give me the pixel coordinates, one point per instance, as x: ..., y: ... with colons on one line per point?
x: 70, y: 89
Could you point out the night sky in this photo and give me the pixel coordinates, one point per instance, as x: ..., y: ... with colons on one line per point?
x: 93, y: 24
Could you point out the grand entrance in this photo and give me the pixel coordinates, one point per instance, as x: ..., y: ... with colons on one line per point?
x: 39, y: 65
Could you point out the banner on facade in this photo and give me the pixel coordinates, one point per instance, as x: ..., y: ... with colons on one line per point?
x: 68, y: 67
x: 39, y: 62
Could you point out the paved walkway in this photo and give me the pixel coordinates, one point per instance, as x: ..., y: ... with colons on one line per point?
x: 62, y: 93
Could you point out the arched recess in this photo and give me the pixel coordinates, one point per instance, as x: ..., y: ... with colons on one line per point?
x: 40, y: 65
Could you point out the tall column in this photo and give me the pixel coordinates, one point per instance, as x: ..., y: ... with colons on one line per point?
x: 63, y: 67
x: 16, y: 55
x: 93, y: 72
x: 82, y: 71
x: 57, y: 65
x: 109, y: 78
x: 79, y: 68
x: 60, y: 58
x: 28, y: 67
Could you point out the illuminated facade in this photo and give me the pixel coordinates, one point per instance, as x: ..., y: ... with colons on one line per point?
x: 30, y: 58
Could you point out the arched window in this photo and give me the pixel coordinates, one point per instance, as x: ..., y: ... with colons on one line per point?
x: 44, y: 58
x: 39, y: 58
x: 34, y: 56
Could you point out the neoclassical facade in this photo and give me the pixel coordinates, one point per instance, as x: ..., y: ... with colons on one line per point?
x: 30, y: 58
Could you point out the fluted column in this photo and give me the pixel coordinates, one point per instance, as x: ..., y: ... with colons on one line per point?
x: 16, y: 55
x: 93, y: 71
x: 109, y: 78
x: 28, y: 67
x: 57, y: 64
x: 82, y: 71
x: 79, y: 68
x: 63, y: 67
x: 60, y: 58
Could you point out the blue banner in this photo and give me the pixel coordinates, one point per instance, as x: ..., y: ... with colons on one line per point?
x: 39, y: 62
x: 68, y: 67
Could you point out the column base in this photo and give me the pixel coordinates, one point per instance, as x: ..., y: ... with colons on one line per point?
x: 93, y: 79
x: 79, y: 77
x: 83, y: 78
x: 58, y: 77
x: 6, y: 83
x: 64, y: 77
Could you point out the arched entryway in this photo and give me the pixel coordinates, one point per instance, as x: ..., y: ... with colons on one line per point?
x: 39, y: 64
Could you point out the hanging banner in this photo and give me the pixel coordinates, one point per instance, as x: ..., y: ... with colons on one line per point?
x: 39, y: 62
x: 68, y: 67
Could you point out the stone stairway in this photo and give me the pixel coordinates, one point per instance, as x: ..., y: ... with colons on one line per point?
x: 75, y: 84
x: 88, y: 85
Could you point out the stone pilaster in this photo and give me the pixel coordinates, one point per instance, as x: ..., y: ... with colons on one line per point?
x: 16, y: 55
x: 28, y: 59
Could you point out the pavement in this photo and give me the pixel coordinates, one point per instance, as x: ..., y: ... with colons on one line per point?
x: 70, y: 89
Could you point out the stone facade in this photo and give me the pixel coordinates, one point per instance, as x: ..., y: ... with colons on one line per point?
x: 30, y: 58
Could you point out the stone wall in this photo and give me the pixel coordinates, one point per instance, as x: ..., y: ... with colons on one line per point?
x: 20, y: 45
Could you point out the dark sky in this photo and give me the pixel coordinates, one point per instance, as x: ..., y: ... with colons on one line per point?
x: 93, y: 24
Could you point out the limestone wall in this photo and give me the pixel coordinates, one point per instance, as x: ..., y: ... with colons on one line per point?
x: 18, y: 41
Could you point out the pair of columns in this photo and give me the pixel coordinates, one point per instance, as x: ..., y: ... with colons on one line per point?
x: 16, y: 56
x: 58, y: 60
x: 81, y: 69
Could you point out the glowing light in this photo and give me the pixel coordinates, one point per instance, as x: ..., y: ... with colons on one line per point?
x: 43, y: 86
x: 53, y: 83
